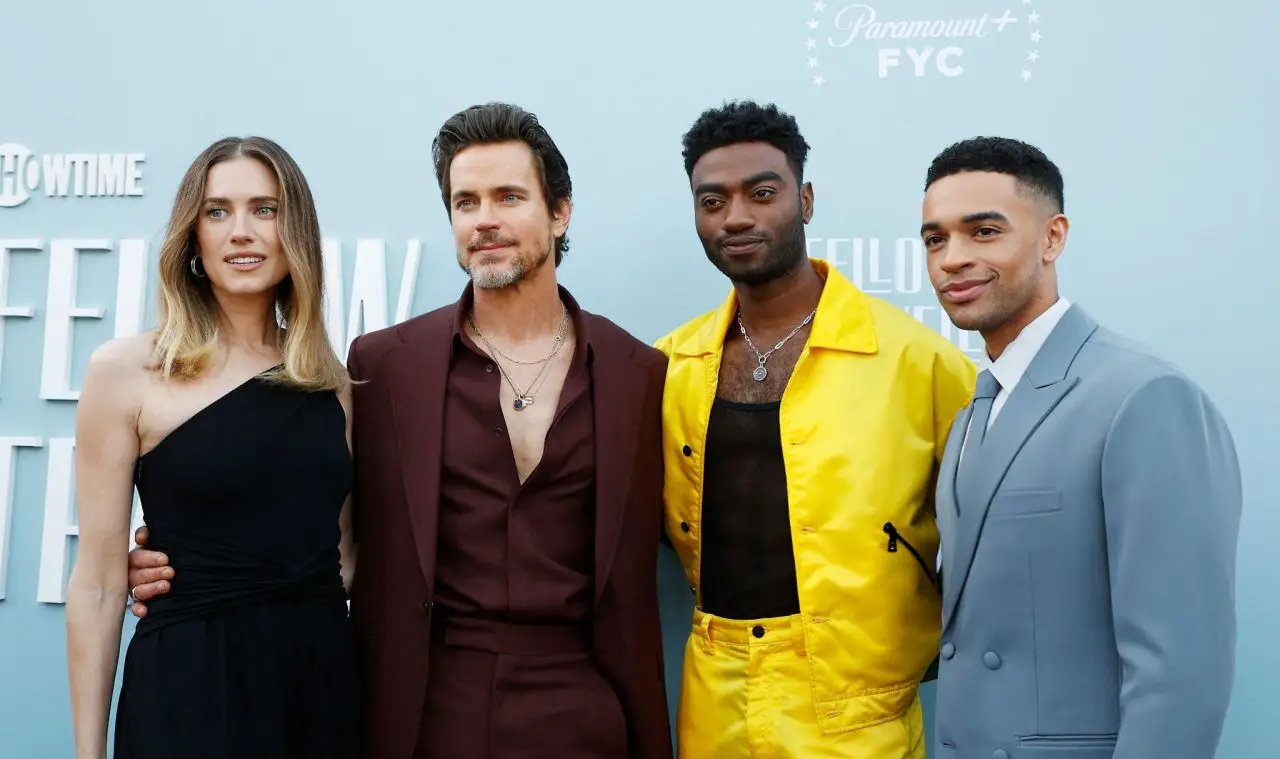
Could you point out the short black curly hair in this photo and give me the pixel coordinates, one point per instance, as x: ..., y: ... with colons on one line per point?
x: 745, y: 121
x: 1026, y: 163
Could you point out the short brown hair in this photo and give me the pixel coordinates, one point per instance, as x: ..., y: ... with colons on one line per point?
x: 502, y: 122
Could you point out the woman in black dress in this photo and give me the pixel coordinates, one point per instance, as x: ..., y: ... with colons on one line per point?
x: 231, y: 419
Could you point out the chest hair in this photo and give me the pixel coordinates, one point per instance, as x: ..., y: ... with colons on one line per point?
x: 738, y: 361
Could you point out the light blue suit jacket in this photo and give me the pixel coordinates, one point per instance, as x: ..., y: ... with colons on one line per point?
x: 1089, y: 572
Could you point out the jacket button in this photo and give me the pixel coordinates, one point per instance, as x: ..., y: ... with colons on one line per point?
x: 948, y: 650
x: 427, y: 606
x: 991, y: 659
x: 757, y: 631
x: 693, y: 589
x: 684, y: 526
x: 687, y: 451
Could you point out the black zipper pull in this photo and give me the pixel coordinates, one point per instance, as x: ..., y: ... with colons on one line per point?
x: 895, y: 537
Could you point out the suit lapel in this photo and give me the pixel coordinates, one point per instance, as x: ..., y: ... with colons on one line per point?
x: 1042, y: 387
x: 418, y: 375
x: 945, y: 500
x: 618, y: 387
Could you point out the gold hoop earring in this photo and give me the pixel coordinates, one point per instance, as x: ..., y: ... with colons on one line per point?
x: 194, y: 259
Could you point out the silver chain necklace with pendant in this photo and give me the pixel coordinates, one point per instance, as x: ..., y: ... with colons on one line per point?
x: 524, y: 399
x: 760, y: 372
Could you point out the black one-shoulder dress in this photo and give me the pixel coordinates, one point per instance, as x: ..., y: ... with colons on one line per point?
x: 251, y: 654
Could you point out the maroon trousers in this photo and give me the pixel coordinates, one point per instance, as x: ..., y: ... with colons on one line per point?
x: 517, y: 691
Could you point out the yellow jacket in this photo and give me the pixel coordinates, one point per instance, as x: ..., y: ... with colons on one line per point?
x: 864, y: 423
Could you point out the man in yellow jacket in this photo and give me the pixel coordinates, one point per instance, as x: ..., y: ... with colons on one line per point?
x: 804, y: 422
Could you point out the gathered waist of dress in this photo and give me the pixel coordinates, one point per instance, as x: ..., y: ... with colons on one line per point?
x: 203, y: 586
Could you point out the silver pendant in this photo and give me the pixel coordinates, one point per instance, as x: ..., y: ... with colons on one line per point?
x: 759, y: 374
x: 522, y: 401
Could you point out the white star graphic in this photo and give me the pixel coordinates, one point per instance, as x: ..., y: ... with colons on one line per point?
x: 818, y: 80
x: 813, y: 63
x: 1035, y: 36
x: 1034, y: 17
x: 1026, y: 75
x: 811, y: 43
x: 1034, y: 56
x: 821, y: 6
x: 813, y: 24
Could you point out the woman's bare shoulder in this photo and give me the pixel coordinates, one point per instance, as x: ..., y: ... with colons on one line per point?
x: 122, y: 361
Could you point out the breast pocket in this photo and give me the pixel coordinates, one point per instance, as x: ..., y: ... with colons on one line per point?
x: 1067, y: 746
x: 1025, y: 503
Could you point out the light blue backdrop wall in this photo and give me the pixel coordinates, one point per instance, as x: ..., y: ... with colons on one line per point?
x: 1162, y: 116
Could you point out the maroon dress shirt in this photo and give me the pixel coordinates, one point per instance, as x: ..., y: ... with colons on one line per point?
x: 511, y: 551
x: 521, y: 556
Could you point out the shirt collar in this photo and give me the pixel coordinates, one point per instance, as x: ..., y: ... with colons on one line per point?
x: 462, y: 337
x: 843, y: 320
x: 1017, y: 357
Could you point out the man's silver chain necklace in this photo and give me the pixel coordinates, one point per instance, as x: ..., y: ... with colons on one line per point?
x: 524, y: 398
x: 760, y: 372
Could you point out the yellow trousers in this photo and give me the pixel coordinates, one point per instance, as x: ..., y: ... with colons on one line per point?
x: 745, y: 694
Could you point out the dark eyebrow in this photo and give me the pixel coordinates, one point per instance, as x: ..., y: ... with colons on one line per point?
x: 754, y: 179
x: 501, y: 190
x: 973, y: 218
x: 227, y: 201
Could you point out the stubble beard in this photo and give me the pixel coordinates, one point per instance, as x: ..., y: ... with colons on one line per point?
x: 784, y: 255
x: 1003, y: 304
x: 495, y: 277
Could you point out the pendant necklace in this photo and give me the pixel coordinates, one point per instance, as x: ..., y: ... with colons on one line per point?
x: 524, y: 399
x: 760, y: 372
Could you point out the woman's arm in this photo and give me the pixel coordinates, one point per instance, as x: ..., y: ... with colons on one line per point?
x: 347, y: 548
x: 347, y: 545
x: 106, y: 452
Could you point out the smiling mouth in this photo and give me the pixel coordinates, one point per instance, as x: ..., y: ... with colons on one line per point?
x: 964, y: 292
x: 490, y: 245
x: 245, y: 260
x: 741, y: 245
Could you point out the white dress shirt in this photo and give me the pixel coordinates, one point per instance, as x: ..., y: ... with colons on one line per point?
x: 1018, y: 355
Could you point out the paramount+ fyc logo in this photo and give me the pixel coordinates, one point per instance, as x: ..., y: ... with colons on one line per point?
x: 997, y: 40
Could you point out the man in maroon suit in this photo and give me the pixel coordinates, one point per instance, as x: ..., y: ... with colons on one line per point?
x: 508, y: 496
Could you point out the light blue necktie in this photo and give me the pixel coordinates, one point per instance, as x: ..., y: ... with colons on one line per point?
x: 983, y: 397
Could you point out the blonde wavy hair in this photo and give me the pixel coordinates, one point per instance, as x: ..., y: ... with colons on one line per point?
x: 187, y: 334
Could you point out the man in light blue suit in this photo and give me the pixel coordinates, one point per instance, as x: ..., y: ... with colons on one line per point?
x: 1089, y: 501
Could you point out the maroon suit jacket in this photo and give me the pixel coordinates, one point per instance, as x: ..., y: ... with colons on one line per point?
x: 397, y: 439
